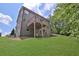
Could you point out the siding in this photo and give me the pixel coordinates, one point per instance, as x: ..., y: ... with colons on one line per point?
x: 26, y: 18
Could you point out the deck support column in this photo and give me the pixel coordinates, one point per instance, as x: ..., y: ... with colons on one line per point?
x: 42, y: 29
x: 35, y: 27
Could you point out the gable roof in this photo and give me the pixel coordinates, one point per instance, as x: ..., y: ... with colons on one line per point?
x: 34, y: 13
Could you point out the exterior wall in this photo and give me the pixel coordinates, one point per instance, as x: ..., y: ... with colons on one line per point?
x: 25, y: 19
x: 18, y: 26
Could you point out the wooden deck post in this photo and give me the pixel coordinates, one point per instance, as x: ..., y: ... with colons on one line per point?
x: 35, y: 27
x: 42, y: 29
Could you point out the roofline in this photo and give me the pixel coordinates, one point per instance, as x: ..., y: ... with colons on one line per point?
x: 34, y: 12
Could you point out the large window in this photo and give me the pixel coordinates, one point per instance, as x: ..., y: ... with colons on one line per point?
x: 26, y: 12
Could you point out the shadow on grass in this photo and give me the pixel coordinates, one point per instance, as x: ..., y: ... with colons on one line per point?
x: 38, y: 37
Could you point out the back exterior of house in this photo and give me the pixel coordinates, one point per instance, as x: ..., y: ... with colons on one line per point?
x: 32, y: 24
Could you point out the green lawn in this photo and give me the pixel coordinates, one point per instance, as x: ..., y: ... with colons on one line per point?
x: 60, y: 45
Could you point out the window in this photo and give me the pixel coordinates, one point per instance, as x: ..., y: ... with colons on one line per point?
x: 24, y: 20
x: 26, y: 12
x: 44, y: 25
x: 27, y: 29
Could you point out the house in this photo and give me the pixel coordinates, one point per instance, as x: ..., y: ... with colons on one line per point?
x: 32, y: 24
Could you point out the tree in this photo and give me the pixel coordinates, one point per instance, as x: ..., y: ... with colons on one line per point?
x: 13, y: 32
x: 66, y: 19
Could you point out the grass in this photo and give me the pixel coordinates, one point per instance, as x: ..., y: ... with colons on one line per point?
x: 52, y: 46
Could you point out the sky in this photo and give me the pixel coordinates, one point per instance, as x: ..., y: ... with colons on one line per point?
x: 9, y: 13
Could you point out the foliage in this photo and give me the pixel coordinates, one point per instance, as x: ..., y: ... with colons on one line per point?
x: 12, y: 32
x: 66, y: 19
